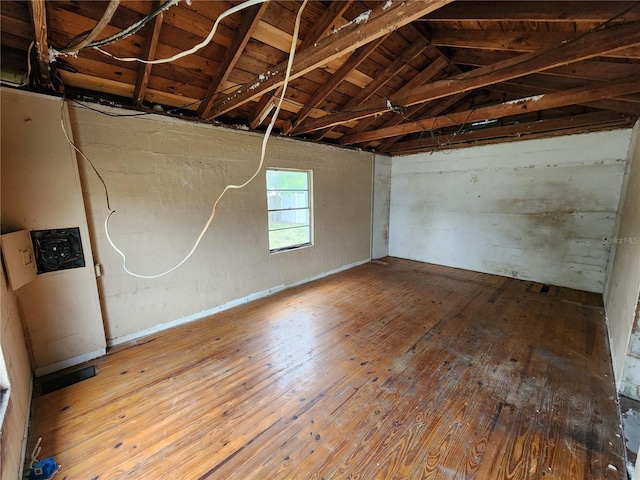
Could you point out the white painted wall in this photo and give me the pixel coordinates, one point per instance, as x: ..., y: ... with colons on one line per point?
x: 41, y: 190
x: 623, y: 282
x: 536, y: 209
x: 15, y: 375
x: 381, y: 204
x: 164, y: 175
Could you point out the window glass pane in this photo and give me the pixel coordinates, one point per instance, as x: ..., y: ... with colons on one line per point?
x: 288, y: 219
x: 289, y: 208
x: 285, y: 180
x: 289, y: 238
x: 283, y: 200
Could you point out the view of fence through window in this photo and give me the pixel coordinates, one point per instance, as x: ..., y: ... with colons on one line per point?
x: 288, y: 203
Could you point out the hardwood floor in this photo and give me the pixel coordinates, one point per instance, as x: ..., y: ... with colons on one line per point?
x: 398, y: 371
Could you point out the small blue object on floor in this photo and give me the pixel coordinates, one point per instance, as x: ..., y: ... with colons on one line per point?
x: 44, y: 469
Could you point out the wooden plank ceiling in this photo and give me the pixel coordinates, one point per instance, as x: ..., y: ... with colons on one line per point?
x: 396, y: 77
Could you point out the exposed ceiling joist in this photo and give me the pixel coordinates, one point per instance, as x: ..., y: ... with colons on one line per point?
x: 420, y: 79
x: 513, y: 41
x: 590, y: 45
x: 598, y: 120
x: 39, y: 21
x: 514, y: 107
x: 355, y: 71
x: 538, y: 11
x: 586, y: 69
x: 321, y: 28
x: 431, y: 110
x: 396, y: 66
x: 336, y: 79
x: 250, y: 20
x: 524, y: 89
x: 144, y: 69
x: 378, y: 22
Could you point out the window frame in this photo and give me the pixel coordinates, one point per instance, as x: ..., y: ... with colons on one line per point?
x: 309, y: 208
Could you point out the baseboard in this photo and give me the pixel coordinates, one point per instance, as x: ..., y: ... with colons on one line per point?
x: 40, y: 371
x: 233, y: 303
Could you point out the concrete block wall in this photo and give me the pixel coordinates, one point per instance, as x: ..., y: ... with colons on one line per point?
x: 163, y: 176
x: 536, y: 210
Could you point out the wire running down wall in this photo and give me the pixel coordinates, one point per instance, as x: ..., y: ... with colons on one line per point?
x: 163, y: 176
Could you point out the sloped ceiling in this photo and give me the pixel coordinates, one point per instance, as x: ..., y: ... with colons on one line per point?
x: 391, y: 76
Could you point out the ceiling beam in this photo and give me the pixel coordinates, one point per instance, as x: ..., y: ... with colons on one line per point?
x: 421, y: 78
x: 336, y: 79
x: 144, y: 69
x: 519, y: 130
x: 590, y: 45
x: 515, y: 107
x: 537, y: 11
x: 390, y: 71
x: 326, y: 23
x: 232, y: 54
x: 383, y: 19
x: 525, y: 88
x: 587, y: 69
x: 529, y: 41
x: 39, y: 21
x: 322, y: 27
x: 432, y: 110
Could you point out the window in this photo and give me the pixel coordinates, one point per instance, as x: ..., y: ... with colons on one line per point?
x: 289, y: 207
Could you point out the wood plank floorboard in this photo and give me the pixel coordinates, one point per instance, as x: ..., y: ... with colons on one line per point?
x: 397, y: 371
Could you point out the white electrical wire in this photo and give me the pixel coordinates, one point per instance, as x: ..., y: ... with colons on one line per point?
x: 197, y: 47
x: 226, y: 189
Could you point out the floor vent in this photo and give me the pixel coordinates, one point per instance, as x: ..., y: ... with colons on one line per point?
x: 68, y: 379
x: 544, y: 289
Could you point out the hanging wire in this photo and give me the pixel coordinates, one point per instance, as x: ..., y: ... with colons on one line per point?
x: 195, y: 48
x: 226, y: 189
x: 104, y: 21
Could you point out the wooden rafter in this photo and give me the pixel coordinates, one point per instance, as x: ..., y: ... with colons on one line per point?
x: 431, y: 110
x: 590, y: 45
x: 326, y: 23
x: 331, y: 15
x: 249, y: 22
x: 513, y: 41
x: 586, y: 69
x: 598, y: 120
x: 144, y: 69
x: 390, y: 71
x: 537, y: 11
x: 514, y: 107
x: 336, y: 79
x: 380, y: 21
x: 526, y: 89
x: 423, y: 77
x: 39, y: 21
